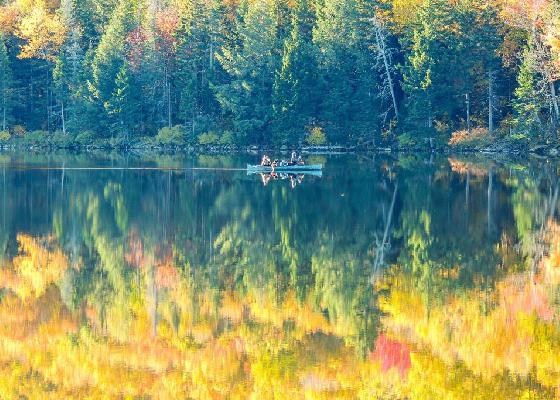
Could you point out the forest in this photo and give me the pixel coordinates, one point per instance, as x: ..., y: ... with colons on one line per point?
x: 419, y: 73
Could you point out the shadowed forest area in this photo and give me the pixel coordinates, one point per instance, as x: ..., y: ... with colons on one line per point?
x: 417, y: 73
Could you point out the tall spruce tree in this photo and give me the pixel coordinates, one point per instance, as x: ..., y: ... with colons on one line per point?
x: 348, y: 79
x: 6, y: 82
x: 295, y: 85
x: 529, y: 104
x: 198, y: 40
x: 110, y: 74
x: 68, y: 74
x: 252, y: 65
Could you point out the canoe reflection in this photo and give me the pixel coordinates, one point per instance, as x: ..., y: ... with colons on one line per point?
x: 295, y: 179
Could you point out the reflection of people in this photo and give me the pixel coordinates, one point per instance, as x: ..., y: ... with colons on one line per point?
x: 265, y: 179
x: 295, y: 180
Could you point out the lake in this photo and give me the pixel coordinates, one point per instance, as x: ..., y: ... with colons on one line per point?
x: 182, y: 277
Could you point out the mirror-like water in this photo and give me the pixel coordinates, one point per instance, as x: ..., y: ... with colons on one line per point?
x: 408, y: 278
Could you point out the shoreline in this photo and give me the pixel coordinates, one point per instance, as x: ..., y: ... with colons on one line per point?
x: 498, y: 148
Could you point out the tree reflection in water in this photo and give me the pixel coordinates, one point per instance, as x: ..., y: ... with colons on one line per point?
x: 405, y: 278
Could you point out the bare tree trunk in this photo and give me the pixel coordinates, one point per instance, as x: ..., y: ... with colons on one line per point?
x: 211, y: 61
x: 380, y: 252
x: 4, y: 112
x: 63, y: 122
x: 554, y: 100
x: 168, y: 89
x: 467, y: 188
x: 490, y: 101
x: 193, y: 114
x: 468, y: 103
x: 380, y: 40
x: 430, y: 121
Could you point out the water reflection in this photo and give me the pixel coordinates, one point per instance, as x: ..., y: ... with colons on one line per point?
x: 294, y: 179
x: 407, y: 278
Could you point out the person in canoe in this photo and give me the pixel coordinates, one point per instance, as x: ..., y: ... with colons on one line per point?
x: 293, y: 158
x: 265, y: 162
x: 296, y: 159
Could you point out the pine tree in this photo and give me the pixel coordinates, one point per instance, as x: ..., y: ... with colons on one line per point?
x: 197, y: 42
x: 68, y: 74
x: 6, y: 81
x: 336, y: 42
x: 529, y: 102
x: 347, y: 63
x: 252, y: 66
x: 124, y: 104
x: 449, y: 55
x: 295, y: 86
x: 417, y: 80
x: 109, y: 62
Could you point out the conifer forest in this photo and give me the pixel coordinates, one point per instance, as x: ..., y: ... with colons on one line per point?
x: 280, y: 72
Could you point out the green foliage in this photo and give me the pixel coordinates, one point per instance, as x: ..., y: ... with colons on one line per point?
x: 248, y: 94
x: 85, y: 138
x: 112, y: 85
x: 366, y: 71
x: 36, y: 138
x: 174, y: 136
x: 6, y: 82
x: 449, y: 53
x: 61, y: 140
x: 316, y: 136
x: 209, y: 138
x: 529, y: 102
x: 5, y: 136
x: 297, y: 79
x: 227, y: 138
x: 349, y: 81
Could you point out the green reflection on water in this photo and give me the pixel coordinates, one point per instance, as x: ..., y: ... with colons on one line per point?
x: 386, y: 278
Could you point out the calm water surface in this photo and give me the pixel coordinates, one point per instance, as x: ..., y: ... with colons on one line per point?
x: 389, y: 278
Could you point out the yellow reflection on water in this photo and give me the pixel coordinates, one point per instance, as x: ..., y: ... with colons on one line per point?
x: 167, y: 338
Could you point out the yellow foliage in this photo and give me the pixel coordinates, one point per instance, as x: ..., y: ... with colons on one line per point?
x: 42, y: 31
x: 170, y: 341
x: 465, y: 137
x: 35, y: 268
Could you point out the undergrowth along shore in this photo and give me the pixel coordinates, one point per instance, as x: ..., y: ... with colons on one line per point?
x: 475, y: 141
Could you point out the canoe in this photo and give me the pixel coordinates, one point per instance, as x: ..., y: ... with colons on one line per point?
x: 313, y: 172
x: 284, y: 168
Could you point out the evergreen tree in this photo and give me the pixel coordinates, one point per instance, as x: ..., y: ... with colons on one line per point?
x: 110, y: 75
x: 197, y: 42
x: 68, y: 74
x: 252, y: 66
x: 348, y: 78
x: 6, y: 82
x: 417, y: 79
x: 529, y: 103
x: 123, y: 104
x: 447, y: 58
x: 295, y: 86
